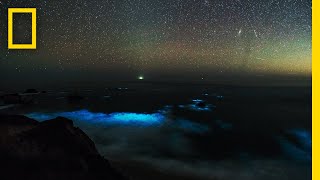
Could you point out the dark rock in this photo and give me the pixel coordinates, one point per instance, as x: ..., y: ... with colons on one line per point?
x: 16, y: 120
x: 52, y: 149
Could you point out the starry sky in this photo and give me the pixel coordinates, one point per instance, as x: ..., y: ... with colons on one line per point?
x: 123, y: 39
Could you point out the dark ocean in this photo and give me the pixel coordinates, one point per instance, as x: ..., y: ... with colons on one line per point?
x: 190, y: 131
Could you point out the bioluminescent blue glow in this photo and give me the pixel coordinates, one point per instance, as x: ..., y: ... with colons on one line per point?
x: 303, y: 137
x: 135, y: 118
x: 122, y: 118
x: 196, y: 107
x: 166, y: 109
x: 295, y: 151
x: 297, y: 147
x: 197, y: 100
x: 41, y: 116
x: 192, y: 127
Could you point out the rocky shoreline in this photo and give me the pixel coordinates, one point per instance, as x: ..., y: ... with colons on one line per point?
x: 53, y: 149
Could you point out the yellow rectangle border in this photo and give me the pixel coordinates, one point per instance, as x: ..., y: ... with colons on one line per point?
x: 315, y: 90
x: 11, y: 11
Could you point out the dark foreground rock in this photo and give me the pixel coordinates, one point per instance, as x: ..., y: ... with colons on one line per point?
x: 48, y: 150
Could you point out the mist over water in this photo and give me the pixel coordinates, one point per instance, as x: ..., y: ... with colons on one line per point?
x: 224, y: 133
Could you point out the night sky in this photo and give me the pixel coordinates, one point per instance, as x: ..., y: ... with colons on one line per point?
x: 124, y: 39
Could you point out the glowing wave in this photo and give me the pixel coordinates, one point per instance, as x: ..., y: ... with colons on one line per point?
x: 124, y: 118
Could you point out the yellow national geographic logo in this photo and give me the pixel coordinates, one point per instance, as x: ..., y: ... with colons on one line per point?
x: 33, y: 12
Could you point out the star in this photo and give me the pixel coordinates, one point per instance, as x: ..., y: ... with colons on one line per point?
x: 177, y: 36
x: 239, y: 32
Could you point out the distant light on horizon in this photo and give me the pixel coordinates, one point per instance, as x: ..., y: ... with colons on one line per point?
x: 141, y: 78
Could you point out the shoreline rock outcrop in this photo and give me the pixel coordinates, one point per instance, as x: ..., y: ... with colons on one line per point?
x: 53, y: 149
